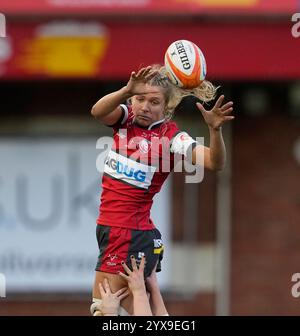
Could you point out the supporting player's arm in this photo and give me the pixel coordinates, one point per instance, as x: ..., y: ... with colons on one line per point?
x: 136, y: 283
x: 156, y: 301
x: 215, y: 155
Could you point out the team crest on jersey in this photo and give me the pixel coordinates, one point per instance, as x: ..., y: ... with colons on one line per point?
x: 142, y: 145
x: 113, y: 260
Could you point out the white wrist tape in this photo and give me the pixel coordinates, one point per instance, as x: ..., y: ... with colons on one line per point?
x: 96, y: 309
x: 181, y: 143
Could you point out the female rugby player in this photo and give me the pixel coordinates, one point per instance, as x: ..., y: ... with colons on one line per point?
x: 133, y: 171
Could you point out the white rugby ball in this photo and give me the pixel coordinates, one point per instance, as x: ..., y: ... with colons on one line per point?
x: 185, y: 64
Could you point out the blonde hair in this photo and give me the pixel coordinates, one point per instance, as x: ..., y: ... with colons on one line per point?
x: 206, y: 91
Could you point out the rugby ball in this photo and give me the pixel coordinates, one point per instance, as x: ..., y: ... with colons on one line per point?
x: 185, y: 64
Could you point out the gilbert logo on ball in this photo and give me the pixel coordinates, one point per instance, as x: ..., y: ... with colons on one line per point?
x: 185, y: 64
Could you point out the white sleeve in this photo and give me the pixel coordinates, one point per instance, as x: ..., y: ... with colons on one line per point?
x: 182, y: 144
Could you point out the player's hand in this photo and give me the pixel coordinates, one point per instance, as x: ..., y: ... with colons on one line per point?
x: 111, y: 301
x: 135, y: 278
x: 137, y: 81
x: 218, y: 115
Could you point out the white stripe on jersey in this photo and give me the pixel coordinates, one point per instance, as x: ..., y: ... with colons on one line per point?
x: 129, y: 171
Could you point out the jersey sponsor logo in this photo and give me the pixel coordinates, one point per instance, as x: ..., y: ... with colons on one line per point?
x: 120, y: 168
x: 158, y: 246
x: 157, y: 242
x: 128, y: 170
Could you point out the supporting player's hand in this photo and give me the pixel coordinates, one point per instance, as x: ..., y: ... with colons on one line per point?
x: 137, y: 81
x: 218, y: 115
x: 111, y: 301
x: 135, y: 278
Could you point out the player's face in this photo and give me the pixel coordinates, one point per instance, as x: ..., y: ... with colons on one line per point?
x: 149, y: 107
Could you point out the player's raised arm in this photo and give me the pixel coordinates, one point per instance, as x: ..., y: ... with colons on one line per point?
x: 108, y: 109
x: 215, y: 155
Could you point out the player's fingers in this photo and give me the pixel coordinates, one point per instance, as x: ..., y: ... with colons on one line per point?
x: 123, y: 295
x: 140, y: 72
x: 120, y: 291
x: 200, y: 107
x: 133, y: 263
x: 106, y: 286
x: 228, y: 111
x: 226, y: 106
x: 147, y: 70
x: 124, y: 276
x: 228, y: 118
x: 219, y: 101
x: 151, y: 75
x: 101, y: 289
x: 145, y: 74
x: 143, y: 71
x: 142, y: 263
x: 126, y: 268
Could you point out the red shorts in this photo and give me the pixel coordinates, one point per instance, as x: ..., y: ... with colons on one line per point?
x: 118, y: 244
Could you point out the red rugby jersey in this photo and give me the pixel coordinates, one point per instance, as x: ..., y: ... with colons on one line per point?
x: 135, y: 169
